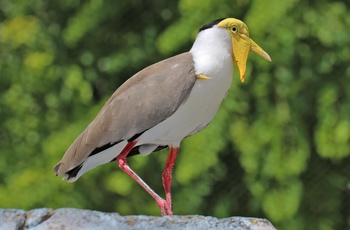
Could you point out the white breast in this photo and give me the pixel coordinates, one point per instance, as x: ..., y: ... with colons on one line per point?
x: 212, y: 56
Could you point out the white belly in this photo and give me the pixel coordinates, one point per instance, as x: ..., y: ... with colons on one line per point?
x: 193, y: 115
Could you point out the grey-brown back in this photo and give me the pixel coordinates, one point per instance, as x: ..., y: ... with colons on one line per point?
x: 143, y: 101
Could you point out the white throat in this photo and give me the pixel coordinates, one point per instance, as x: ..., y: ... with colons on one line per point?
x: 212, y: 52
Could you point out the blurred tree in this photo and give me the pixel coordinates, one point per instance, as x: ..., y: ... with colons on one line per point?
x: 278, y: 148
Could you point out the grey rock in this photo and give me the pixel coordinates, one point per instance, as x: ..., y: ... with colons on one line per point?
x: 12, y: 219
x: 36, y: 217
x: 68, y: 218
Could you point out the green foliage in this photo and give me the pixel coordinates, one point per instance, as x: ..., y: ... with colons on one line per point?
x: 278, y: 147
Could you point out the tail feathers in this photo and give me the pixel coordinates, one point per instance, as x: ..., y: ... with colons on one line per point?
x: 69, y: 175
x: 72, y: 174
x: 102, y: 157
x: 91, y: 162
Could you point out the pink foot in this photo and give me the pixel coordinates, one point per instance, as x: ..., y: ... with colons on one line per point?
x: 164, y: 207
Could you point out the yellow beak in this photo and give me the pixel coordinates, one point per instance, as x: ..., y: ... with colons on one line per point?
x: 241, y: 46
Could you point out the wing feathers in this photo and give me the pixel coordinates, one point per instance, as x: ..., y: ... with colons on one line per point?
x: 147, y: 98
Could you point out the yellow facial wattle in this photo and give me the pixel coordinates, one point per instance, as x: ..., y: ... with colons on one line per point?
x: 241, y: 44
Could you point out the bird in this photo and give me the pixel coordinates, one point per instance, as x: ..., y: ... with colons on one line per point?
x: 162, y: 104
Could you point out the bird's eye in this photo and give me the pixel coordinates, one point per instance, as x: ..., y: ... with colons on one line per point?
x: 234, y: 29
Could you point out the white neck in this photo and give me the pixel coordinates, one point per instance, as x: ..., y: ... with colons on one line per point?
x: 212, y: 52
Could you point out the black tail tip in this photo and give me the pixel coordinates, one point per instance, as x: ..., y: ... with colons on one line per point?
x: 56, y: 168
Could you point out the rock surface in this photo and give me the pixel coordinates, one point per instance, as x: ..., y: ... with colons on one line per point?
x: 68, y: 218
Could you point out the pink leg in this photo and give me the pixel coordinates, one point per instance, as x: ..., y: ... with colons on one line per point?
x: 167, y: 174
x: 123, y: 164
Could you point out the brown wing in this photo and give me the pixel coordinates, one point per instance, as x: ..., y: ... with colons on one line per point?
x: 147, y: 98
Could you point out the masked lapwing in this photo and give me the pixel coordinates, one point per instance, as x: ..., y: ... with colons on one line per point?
x: 162, y: 104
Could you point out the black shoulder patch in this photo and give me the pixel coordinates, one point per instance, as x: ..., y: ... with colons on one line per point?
x: 211, y: 24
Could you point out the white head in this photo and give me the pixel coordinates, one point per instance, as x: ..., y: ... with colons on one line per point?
x: 233, y: 34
